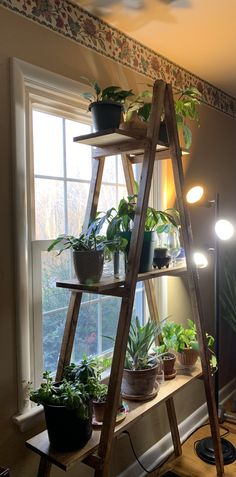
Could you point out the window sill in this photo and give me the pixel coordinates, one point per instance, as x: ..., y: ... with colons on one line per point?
x: 29, y: 420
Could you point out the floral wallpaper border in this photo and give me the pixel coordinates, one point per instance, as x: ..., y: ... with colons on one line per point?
x: 81, y: 26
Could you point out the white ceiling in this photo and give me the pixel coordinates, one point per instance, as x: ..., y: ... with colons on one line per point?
x: 199, y: 35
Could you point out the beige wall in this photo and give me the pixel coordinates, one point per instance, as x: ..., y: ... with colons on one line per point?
x: 212, y: 162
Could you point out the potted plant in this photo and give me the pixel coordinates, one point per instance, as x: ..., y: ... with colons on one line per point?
x: 68, y: 412
x: 88, y: 253
x: 106, y: 105
x: 186, y: 108
x: 141, y: 365
x: 166, y: 347
x: 184, y: 341
x: 120, y: 223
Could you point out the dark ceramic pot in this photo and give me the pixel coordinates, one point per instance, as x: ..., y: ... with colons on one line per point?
x: 148, y: 247
x: 105, y: 115
x: 161, y: 258
x: 66, y: 430
x: 88, y: 265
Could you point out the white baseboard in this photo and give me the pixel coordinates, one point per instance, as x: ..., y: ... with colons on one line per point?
x: 160, y: 450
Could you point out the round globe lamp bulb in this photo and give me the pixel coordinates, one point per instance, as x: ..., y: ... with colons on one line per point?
x: 200, y: 260
x: 195, y: 194
x: 224, y: 229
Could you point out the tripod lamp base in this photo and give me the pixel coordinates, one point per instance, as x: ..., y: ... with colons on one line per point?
x: 205, y: 451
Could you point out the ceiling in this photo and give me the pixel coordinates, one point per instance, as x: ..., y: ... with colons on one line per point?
x: 199, y: 35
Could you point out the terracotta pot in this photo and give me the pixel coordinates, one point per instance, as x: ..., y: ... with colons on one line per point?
x: 99, y: 410
x: 168, y: 361
x: 188, y: 357
x: 139, y: 383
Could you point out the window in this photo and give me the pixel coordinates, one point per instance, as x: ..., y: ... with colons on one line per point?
x: 51, y: 190
x: 62, y: 173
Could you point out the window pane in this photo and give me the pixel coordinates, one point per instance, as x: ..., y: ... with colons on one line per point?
x: 86, y: 338
x: 122, y: 193
x: 78, y: 156
x: 49, y: 208
x: 48, y: 144
x: 55, y: 267
x: 53, y: 328
x: 55, y: 302
x: 107, y: 198
x: 121, y: 177
x: 109, y: 173
x: 110, y: 314
x: 77, y: 196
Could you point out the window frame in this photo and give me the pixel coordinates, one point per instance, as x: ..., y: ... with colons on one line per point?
x: 27, y: 84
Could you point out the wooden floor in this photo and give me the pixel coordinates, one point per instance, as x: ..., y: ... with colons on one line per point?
x: 189, y: 464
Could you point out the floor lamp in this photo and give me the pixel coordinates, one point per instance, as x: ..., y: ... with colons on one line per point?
x: 223, y: 231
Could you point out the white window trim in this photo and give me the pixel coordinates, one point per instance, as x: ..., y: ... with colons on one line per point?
x: 26, y: 82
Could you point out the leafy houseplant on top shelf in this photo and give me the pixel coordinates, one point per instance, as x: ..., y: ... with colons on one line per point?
x: 186, y: 108
x: 106, y: 105
x: 68, y: 412
x: 120, y: 223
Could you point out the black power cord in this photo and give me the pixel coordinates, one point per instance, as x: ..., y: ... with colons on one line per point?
x: 136, y: 457
x: 158, y: 466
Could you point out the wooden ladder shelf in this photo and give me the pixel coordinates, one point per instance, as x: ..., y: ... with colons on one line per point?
x: 134, y: 147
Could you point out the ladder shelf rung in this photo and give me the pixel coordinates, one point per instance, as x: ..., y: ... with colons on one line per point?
x: 114, y: 286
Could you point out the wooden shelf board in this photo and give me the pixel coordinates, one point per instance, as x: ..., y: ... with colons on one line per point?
x: 115, y: 137
x: 65, y: 460
x: 117, y: 285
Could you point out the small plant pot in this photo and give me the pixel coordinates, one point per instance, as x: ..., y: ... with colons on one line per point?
x: 188, y: 357
x: 88, y: 265
x: 168, y: 361
x: 105, y: 115
x: 66, y: 430
x: 161, y: 258
x: 148, y: 247
x: 99, y: 410
x: 140, y: 384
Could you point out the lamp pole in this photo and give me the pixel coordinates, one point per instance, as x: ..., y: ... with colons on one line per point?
x: 217, y: 299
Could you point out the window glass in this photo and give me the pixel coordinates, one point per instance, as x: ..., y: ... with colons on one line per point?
x: 49, y: 218
x: 78, y: 156
x: 48, y: 144
x: 61, y: 194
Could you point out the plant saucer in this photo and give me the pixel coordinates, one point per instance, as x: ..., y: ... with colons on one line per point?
x: 121, y: 415
x: 170, y: 376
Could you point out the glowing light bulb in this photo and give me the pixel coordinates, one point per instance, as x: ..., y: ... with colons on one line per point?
x: 224, y: 229
x: 194, y: 194
x: 200, y: 260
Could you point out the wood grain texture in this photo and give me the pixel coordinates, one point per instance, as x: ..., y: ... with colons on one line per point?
x: 193, y: 283
x: 137, y: 410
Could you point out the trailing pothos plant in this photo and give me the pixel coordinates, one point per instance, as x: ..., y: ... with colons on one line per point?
x: 186, y: 104
x: 109, y: 94
x: 174, y: 336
